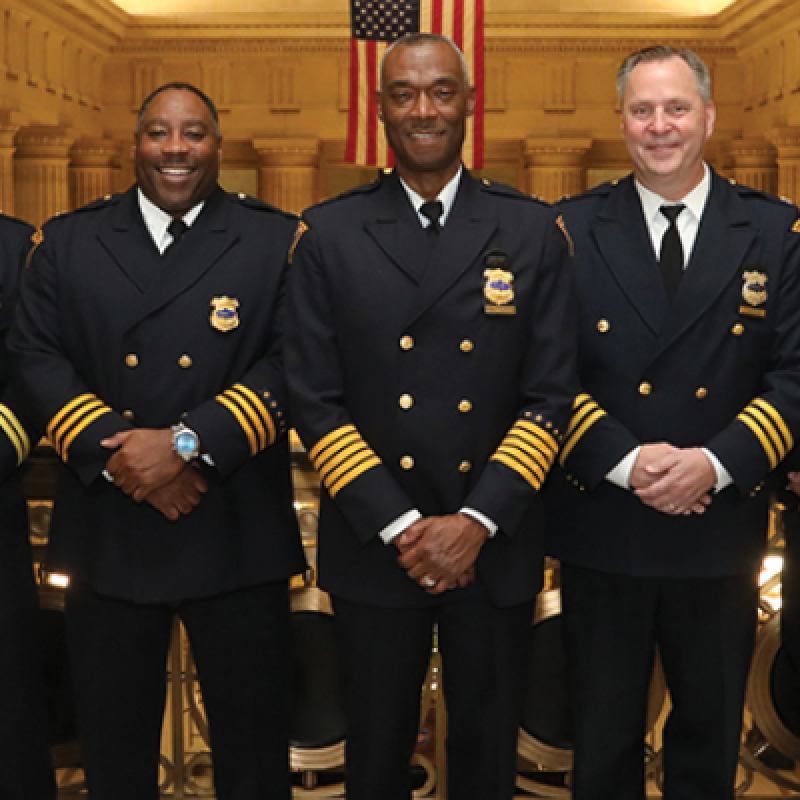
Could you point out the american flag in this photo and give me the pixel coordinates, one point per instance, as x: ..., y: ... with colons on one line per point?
x: 375, y: 25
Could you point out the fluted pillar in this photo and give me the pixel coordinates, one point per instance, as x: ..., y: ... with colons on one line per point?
x: 287, y: 171
x: 10, y: 122
x: 122, y: 175
x: 41, y: 184
x: 754, y: 164
x: 90, y: 170
x: 554, y: 166
x: 787, y: 143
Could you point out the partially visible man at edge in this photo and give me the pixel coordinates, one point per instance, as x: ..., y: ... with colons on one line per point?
x: 689, y: 350
x: 430, y: 360
x: 26, y: 772
x: 148, y: 343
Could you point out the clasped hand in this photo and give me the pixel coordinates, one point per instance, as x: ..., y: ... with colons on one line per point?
x: 673, y: 480
x: 439, y: 553
x: 145, y: 466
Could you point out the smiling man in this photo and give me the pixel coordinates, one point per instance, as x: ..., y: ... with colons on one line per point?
x: 429, y: 353
x: 149, y: 346
x: 689, y: 348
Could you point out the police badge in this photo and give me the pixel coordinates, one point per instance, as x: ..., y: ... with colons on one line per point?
x: 497, y: 288
x: 754, y: 293
x: 224, y: 315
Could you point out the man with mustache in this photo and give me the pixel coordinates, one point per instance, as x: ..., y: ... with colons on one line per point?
x: 429, y: 354
x: 148, y: 343
x: 689, y: 348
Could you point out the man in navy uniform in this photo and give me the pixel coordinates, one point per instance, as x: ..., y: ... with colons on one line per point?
x: 689, y: 348
x: 148, y: 344
x: 429, y: 355
x: 27, y: 772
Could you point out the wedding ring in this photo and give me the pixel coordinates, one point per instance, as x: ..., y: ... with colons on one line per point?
x: 671, y: 507
x: 428, y: 582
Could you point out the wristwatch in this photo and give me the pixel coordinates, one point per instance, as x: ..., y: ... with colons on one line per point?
x: 185, y: 442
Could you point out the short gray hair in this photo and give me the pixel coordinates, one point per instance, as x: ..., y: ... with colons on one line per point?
x: 663, y: 52
x: 418, y: 39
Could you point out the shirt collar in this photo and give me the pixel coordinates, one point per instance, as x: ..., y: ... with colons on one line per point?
x: 695, y: 201
x: 446, y: 197
x: 157, y: 220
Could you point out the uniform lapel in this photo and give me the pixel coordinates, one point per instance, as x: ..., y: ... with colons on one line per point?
x: 622, y: 239
x: 397, y: 230
x: 128, y: 242
x: 463, y: 238
x: 722, y: 243
x: 201, y: 247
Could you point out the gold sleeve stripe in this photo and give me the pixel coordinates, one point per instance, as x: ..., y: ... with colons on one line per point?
x: 240, y: 418
x: 245, y: 406
x: 367, y: 464
x: 75, y: 422
x: 754, y: 426
x: 521, y: 458
x: 85, y: 423
x: 56, y: 421
x: 518, y: 468
x: 544, y: 436
x: 572, y: 439
x: 341, y: 456
x: 260, y: 408
x: 15, y: 433
x: 786, y: 435
x: 533, y: 454
x: 328, y: 438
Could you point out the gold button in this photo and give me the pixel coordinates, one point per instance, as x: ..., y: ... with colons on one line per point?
x: 406, y: 342
x: 185, y: 361
x: 132, y: 360
x: 465, y: 406
x: 645, y: 388
x: 466, y: 346
x: 406, y: 462
x: 737, y: 329
x: 128, y: 414
x: 603, y: 326
x: 464, y: 466
x: 406, y: 401
x: 701, y: 393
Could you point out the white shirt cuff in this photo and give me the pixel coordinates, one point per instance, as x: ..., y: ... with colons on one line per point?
x: 395, y: 528
x: 621, y: 474
x: 482, y: 518
x: 723, y: 476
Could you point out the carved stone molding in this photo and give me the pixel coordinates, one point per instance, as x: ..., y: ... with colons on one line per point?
x: 287, y: 171
x: 554, y: 166
x: 787, y: 143
x: 754, y: 164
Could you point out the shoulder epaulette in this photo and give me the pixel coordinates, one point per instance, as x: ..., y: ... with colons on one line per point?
x: 101, y: 202
x: 601, y: 190
x: 15, y: 220
x: 508, y: 191
x: 366, y: 188
x: 749, y: 191
x: 259, y: 205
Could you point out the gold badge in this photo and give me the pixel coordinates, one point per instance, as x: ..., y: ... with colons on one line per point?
x: 498, y: 288
x: 224, y: 315
x: 754, y: 287
x: 301, y: 229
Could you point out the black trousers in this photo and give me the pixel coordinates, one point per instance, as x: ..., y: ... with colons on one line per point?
x: 240, y: 643
x: 26, y: 772
x: 385, y: 653
x: 704, y: 630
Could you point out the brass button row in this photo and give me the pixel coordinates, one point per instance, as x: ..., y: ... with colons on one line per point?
x: 407, y: 343
x: 406, y: 401
x: 646, y: 388
x: 407, y: 462
x: 132, y: 361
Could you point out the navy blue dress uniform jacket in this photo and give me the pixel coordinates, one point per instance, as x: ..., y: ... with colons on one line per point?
x: 111, y: 335
x: 718, y: 368
x: 412, y: 388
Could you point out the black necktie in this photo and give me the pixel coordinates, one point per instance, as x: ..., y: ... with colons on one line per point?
x: 433, y: 211
x: 176, y: 229
x: 671, y: 258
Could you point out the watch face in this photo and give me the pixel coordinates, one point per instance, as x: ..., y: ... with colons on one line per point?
x: 186, y: 443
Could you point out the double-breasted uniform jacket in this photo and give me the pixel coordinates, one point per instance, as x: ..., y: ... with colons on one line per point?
x: 111, y: 335
x: 717, y: 368
x: 425, y: 380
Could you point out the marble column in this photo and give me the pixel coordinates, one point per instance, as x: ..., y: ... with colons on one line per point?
x: 554, y: 166
x: 41, y: 162
x: 787, y: 143
x: 287, y: 171
x: 10, y: 122
x: 754, y: 164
